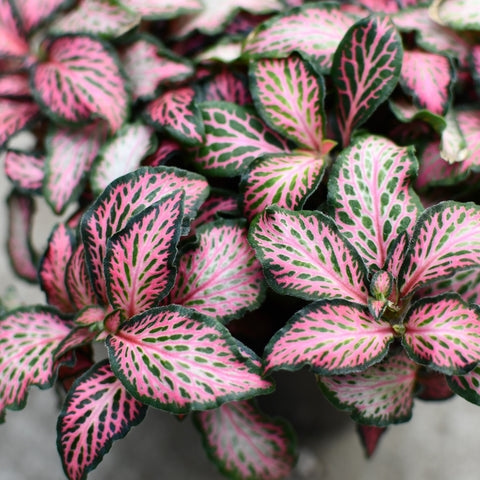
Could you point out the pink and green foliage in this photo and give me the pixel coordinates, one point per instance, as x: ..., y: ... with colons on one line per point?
x: 70, y: 155
x: 25, y: 170
x: 28, y: 340
x: 312, y: 30
x: 467, y: 386
x: 53, y: 266
x: 176, y: 112
x: 20, y: 216
x: 121, y: 154
x: 97, y: 411
x: 81, y: 80
x: 14, y: 85
x: 14, y: 44
x: 226, y: 86
x: 380, y: 396
x: 140, y: 259
x: 220, y: 277
x: 33, y: 16
x: 155, y: 10
x: 15, y: 115
x: 460, y: 15
x: 234, y: 137
x: 365, y: 70
x: 245, y: 443
x: 97, y: 17
x: 148, y: 65
x: 162, y: 359
x: 371, y: 195
x: 126, y: 197
x: 428, y: 78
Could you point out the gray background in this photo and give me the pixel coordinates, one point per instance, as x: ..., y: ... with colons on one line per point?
x: 441, y: 442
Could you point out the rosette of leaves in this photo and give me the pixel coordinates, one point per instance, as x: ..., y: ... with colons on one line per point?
x: 370, y: 333
x: 161, y: 316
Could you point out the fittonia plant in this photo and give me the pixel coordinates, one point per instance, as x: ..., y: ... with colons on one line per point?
x: 364, y: 265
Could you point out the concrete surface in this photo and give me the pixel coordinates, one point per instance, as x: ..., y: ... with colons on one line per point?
x: 442, y: 441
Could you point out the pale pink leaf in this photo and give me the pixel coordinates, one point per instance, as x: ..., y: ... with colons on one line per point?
x: 25, y: 170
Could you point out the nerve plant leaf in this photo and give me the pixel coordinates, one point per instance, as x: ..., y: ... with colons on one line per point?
x: 312, y: 30
x: 286, y: 180
x: 139, y: 261
x: 53, y: 265
x: 446, y: 239
x: 245, y: 443
x: 289, y: 96
x: 428, y: 78
x: 80, y: 80
x: 14, y: 85
x: 365, y: 70
x: 467, y: 386
x: 28, y: 340
x: 121, y: 154
x: 221, y: 277
x: 330, y: 336
x: 25, y: 170
x: 34, y: 15
x: 444, y: 334
x: 380, y: 396
x: 15, y: 115
x: 97, y: 17
x: 97, y: 411
x: 128, y: 196
x: 457, y: 14
x: 371, y: 197
x: 226, y: 86
x: 70, y: 154
x: 14, y: 44
x: 22, y: 255
x: 235, y: 136
x: 453, y: 147
x: 157, y: 10
x: 162, y: 359
x: 303, y: 254
x: 148, y: 64
x: 177, y: 113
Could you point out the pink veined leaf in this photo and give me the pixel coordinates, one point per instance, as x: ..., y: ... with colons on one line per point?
x: 430, y: 35
x: 90, y: 316
x: 127, y: 196
x: 139, y: 261
x: 221, y: 277
x: 467, y: 386
x: 365, y: 70
x: 443, y: 333
x: 28, y: 340
x: 446, y: 239
x: 14, y: 85
x: 330, y: 336
x: 25, y: 170
x: 396, y: 254
x: 53, y: 265
x: 164, y: 9
x: 381, y: 395
x: 77, y: 337
x: 14, y: 44
x: 289, y: 96
x: 80, y: 80
x: 177, y: 113
x: 15, y: 115
x: 303, y: 254
x: 121, y: 154
x: 37, y: 12
x: 148, y: 64
x: 453, y: 147
x: 286, y: 180
x: 70, y: 154
x: 179, y: 360
x: 215, y: 15
x: 380, y: 6
x: 245, y: 443
x: 406, y: 112
x: 22, y: 256
x: 97, y: 17
x: 234, y: 137
x: 227, y: 86
x: 457, y: 14
x: 167, y: 150
x: 312, y: 30
x: 428, y: 78
x: 435, y: 171
x: 469, y: 125
x: 97, y: 411
x: 370, y: 435
x: 371, y: 197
